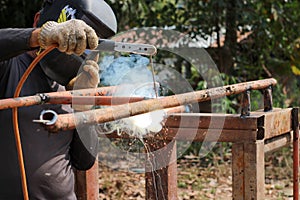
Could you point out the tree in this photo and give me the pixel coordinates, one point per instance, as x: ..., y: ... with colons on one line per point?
x: 249, y: 39
x: 18, y: 13
x: 252, y: 39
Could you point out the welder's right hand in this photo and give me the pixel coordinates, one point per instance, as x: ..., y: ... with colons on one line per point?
x: 71, y: 36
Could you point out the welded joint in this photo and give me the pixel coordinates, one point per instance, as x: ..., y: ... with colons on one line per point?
x: 268, y: 99
x: 44, y: 98
x: 246, y: 104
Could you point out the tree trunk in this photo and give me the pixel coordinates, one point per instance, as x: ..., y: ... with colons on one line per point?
x: 231, y: 31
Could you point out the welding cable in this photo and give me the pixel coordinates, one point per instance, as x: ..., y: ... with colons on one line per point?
x: 16, y: 123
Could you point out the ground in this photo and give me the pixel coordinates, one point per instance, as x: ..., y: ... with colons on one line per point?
x: 201, y: 181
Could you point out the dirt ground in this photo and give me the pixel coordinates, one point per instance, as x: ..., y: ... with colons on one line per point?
x: 199, y: 182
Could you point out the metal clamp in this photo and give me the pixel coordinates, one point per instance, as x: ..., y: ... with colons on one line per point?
x: 47, y: 117
x: 44, y: 98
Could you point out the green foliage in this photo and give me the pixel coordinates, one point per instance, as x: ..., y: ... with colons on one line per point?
x: 18, y: 13
x: 272, y: 48
x: 279, y: 98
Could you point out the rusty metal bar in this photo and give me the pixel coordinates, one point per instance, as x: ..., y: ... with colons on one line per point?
x: 268, y: 100
x: 246, y: 104
x: 168, y: 111
x: 248, y: 172
x: 271, y: 124
x: 70, y: 121
x: 295, y: 127
x: 20, y: 102
x: 275, y: 143
x: 86, y: 184
x: 161, y: 182
x: 178, y: 109
x: 53, y: 96
x: 214, y: 121
x: 94, y: 100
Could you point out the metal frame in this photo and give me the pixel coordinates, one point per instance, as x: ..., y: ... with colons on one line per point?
x: 253, y: 134
x: 252, y: 137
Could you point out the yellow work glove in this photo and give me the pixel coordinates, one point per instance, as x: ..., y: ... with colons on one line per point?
x: 88, y: 78
x: 71, y: 36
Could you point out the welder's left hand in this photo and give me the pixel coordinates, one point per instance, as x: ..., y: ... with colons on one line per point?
x: 88, y: 78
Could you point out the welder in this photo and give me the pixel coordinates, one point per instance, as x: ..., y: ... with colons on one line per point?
x: 74, y: 26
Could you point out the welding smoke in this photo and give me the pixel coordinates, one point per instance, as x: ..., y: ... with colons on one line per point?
x: 125, y: 70
x: 134, y: 77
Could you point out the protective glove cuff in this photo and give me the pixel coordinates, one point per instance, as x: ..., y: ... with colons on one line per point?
x: 43, y: 37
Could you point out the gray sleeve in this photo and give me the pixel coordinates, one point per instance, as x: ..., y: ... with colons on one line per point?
x: 14, y: 41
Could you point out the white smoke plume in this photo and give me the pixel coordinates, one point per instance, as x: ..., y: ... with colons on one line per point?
x: 132, y: 73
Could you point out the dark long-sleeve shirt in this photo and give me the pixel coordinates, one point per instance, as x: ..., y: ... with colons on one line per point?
x: 47, y: 159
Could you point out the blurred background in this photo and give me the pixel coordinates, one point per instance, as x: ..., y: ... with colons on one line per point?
x: 247, y: 39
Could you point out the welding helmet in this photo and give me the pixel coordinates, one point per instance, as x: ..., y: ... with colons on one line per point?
x: 59, y: 66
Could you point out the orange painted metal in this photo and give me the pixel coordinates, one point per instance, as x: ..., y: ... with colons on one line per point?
x: 54, y: 97
x: 94, y: 100
x: 86, y: 185
x: 161, y: 182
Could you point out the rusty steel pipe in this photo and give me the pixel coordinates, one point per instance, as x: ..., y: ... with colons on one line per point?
x: 168, y: 111
x: 70, y: 121
x: 178, y: 109
x: 54, y: 97
x: 275, y: 143
x: 94, y: 100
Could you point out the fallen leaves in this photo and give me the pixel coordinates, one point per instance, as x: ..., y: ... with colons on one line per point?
x: 195, y: 181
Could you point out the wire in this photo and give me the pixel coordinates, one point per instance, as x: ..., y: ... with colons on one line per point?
x: 16, y: 123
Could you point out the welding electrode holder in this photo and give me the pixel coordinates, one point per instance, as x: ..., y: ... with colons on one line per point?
x: 110, y: 45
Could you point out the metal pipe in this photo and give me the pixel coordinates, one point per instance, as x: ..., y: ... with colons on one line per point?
x: 94, y: 100
x: 275, y: 143
x: 179, y: 109
x: 70, y: 121
x: 168, y: 111
x: 52, y: 96
x: 47, y: 117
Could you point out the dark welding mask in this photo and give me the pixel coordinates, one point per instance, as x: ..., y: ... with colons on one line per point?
x: 59, y: 66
